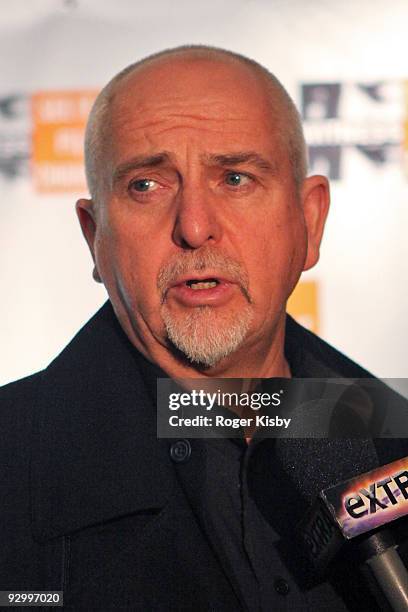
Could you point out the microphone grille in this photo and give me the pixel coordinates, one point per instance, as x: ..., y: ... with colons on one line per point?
x: 315, y: 464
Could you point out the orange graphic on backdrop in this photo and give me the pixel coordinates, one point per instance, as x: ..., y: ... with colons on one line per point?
x: 303, y: 305
x: 59, y: 119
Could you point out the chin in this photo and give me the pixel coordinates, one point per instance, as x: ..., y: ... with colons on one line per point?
x: 206, y: 336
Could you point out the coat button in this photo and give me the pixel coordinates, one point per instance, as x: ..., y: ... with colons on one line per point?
x: 180, y: 451
x: 281, y: 586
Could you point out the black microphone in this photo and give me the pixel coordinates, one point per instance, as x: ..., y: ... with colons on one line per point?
x: 355, y: 497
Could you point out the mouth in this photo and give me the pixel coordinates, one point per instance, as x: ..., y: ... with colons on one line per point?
x: 196, y: 290
x: 199, y: 285
x: 200, y: 282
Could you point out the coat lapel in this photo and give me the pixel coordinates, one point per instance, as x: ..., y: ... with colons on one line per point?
x: 95, y: 450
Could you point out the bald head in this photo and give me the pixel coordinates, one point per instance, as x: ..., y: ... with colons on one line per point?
x: 246, y: 74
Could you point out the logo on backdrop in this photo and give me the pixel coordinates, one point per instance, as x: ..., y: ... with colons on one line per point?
x: 15, y: 142
x: 359, y: 121
x: 59, y: 119
x: 43, y: 133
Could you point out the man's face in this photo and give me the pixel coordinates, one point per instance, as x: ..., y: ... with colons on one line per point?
x: 200, y: 234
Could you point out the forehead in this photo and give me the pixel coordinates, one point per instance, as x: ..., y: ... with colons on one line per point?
x: 206, y: 102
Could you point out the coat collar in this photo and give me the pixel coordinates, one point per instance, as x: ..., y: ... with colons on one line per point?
x: 95, y: 453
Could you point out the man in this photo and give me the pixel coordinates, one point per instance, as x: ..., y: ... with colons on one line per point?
x: 206, y: 186
x: 200, y: 222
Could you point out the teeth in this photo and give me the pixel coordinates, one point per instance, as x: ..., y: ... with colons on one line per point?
x: 203, y: 285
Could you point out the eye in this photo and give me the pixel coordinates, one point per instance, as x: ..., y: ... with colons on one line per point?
x: 142, y: 185
x: 237, y: 179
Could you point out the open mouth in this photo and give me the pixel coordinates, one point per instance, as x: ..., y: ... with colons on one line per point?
x: 206, y: 283
x: 190, y: 291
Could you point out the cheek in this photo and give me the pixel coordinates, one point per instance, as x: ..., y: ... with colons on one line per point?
x: 276, y: 258
x: 128, y: 263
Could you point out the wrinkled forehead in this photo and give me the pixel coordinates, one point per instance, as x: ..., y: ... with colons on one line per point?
x: 212, y: 90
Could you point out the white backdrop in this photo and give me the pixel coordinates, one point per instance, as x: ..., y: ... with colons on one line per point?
x: 45, y: 270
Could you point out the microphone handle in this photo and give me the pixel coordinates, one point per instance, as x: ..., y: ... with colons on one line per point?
x: 388, y: 571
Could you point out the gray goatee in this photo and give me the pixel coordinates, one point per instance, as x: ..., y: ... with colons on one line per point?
x: 206, y: 334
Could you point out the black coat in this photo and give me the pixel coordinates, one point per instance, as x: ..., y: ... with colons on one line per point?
x: 91, y: 501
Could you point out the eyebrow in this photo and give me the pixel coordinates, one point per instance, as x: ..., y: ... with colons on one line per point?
x: 225, y: 159
x: 242, y: 157
x: 140, y: 161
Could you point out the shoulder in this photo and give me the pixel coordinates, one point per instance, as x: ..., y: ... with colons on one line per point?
x: 17, y: 412
x: 18, y: 401
x: 20, y: 389
x: 16, y: 398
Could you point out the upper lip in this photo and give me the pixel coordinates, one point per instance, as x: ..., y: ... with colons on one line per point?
x: 198, y: 276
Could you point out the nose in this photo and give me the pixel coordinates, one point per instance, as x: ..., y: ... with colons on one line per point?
x: 197, y: 220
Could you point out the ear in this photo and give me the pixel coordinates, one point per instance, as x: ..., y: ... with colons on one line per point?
x: 315, y: 198
x: 86, y: 215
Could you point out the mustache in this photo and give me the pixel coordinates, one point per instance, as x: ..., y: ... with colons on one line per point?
x: 205, y: 258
